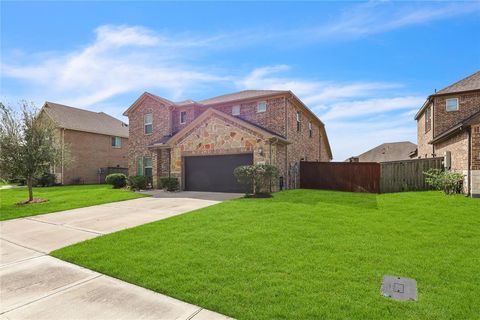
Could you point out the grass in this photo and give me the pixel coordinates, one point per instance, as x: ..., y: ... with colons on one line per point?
x: 305, y: 254
x: 59, y: 199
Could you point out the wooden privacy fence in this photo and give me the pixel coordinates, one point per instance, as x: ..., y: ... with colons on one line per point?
x: 406, y: 175
x: 343, y: 176
x: 372, y: 177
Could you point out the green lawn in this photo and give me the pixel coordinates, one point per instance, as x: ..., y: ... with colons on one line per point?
x: 305, y: 254
x: 59, y: 198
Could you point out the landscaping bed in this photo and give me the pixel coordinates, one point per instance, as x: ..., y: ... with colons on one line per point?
x: 59, y: 199
x: 305, y: 254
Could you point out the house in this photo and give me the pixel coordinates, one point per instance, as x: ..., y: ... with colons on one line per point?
x: 202, y: 142
x: 392, y: 151
x: 448, y: 125
x: 97, y: 143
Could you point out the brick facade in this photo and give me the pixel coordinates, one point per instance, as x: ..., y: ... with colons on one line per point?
x: 221, y: 136
x: 424, y: 135
x: 468, y: 103
x: 88, y: 153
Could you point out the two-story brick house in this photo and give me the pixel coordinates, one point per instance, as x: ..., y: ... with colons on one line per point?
x: 201, y: 142
x: 448, y: 124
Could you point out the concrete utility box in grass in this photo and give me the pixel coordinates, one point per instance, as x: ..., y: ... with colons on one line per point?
x: 399, y: 288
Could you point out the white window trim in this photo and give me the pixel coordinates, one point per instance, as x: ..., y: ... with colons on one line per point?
x: 258, y: 106
x: 236, y: 110
x: 181, y: 117
x: 119, y: 142
x: 446, y: 104
x: 145, y: 123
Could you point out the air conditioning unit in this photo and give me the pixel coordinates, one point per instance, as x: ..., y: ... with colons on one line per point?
x: 447, y: 160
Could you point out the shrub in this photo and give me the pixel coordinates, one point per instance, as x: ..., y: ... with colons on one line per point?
x: 137, y: 182
x: 117, y: 180
x: 169, y: 184
x: 449, y: 182
x: 256, y: 178
x: 46, y: 180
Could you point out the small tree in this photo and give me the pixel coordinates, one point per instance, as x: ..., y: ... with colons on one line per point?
x: 28, y: 144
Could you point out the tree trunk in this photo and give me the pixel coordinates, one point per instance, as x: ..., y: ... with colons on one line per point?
x: 30, y: 189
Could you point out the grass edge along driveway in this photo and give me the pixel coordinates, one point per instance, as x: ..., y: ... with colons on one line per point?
x: 59, y: 199
x: 305, y: 254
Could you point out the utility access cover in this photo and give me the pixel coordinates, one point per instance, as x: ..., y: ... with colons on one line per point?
x: 399, y: 288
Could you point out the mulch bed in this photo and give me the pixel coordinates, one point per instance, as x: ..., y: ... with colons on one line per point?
x: 259, y: 195
x: 35, y: 200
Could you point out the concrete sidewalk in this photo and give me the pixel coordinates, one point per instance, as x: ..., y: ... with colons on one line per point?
x: 34, y: 285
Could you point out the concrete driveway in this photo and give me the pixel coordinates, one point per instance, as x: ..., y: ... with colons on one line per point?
x: 34, y: 285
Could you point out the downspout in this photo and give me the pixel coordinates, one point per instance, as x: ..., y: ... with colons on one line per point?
x: 469, y: 163
x: 169, y: 162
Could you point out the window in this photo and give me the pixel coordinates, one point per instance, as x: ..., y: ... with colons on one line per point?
x: 116, y: 142
x: 147, y: 166
x: 428, y: 119
x: 183, y: 117
x: 148, y: 123
x: 140, y: 167
x: 236, y: 110
x: 299, y: 115
x: 310, y: 129
x: 261, y: 106
x: 452, y: 104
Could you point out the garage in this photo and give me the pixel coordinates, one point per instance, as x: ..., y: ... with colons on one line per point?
x: 214, y: 173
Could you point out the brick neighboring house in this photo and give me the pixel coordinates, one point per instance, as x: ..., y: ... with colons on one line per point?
x: 201, y: 142
x: 96, y: 141
x: 391, y: 151
x: 448, y: 124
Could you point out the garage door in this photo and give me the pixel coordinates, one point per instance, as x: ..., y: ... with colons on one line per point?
x: 214, y: 173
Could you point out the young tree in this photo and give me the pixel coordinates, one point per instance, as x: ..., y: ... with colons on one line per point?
x: 28, y: 144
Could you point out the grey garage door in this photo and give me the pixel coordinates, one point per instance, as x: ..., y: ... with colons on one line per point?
x: 214, y: 173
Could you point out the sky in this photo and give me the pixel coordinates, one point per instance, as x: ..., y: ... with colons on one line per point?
x: 364, y: 68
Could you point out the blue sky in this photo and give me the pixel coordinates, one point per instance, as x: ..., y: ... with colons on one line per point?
x: 363, y: 67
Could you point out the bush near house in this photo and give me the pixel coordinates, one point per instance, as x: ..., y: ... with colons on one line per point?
x: 137, y: 182
x: 256, y: 178
x: 447, y: 181
x: 117, y: 180
x: 47, y: 179
x: 169, y: 184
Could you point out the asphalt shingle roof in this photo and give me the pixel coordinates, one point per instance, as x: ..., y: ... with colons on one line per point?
x: 84, y: 120
x: 391, y: 151
x: 471, y: 82
x: 246, y: 94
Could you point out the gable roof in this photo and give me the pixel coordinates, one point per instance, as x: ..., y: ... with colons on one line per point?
x: 470, y: 83
x: 167, y: 141
x: 391, y: 151
x: 145, y: 95
x: 83, y: 120
x: 241, y: 95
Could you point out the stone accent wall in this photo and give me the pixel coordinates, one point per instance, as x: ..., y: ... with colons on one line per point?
x: 139, y: 141
x: 425, y: 150
x: 90, y: 152
x: 468, y: 104
x: 217, y: 136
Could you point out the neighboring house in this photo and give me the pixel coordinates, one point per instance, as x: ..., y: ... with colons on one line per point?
x: 95, y: 140
x: 448, y: 126
x: 392, y: 151
x: 201, y: 142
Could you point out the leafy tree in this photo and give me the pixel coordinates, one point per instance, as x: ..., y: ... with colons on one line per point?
x: 28, y: 144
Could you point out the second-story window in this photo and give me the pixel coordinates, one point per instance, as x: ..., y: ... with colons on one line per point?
x: 310, y: 129
x: 148, y: 123
x: 116, y: 142
x: 261, y: 106
x: 428, y: 119
x: 236, y: 110
x: 183, y: 117
x: 299, y: 120
x: 452, y: 104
